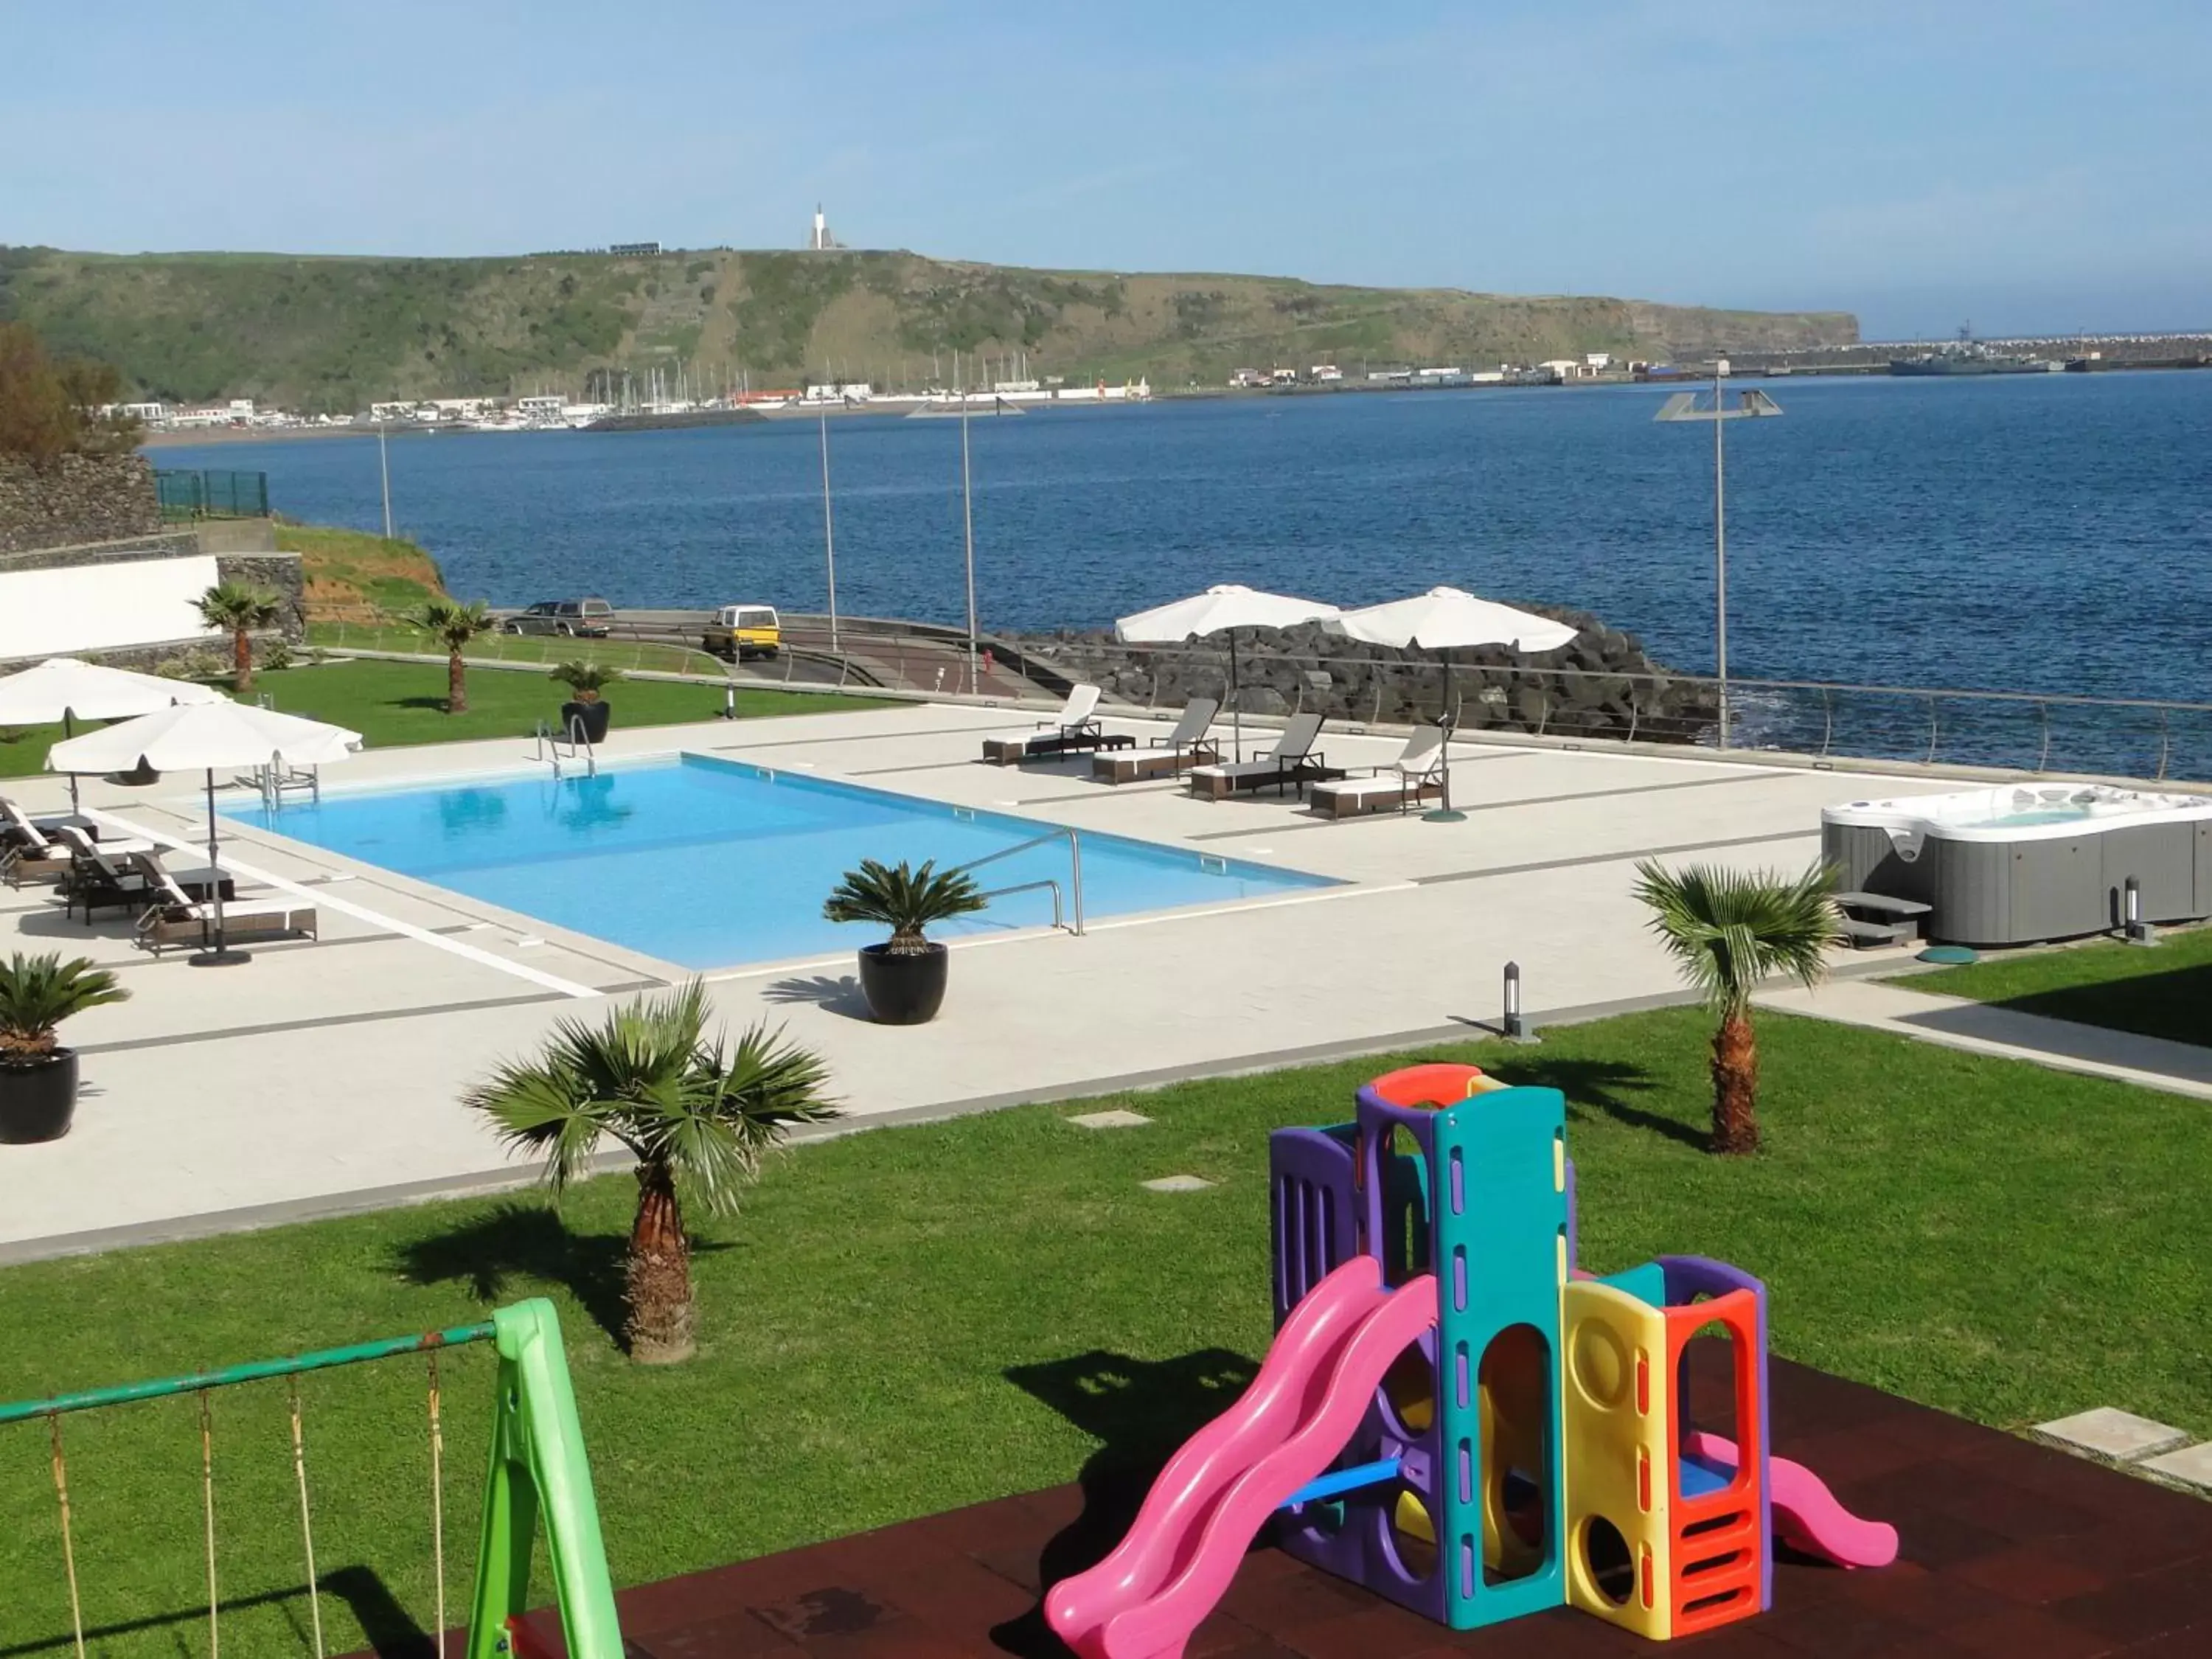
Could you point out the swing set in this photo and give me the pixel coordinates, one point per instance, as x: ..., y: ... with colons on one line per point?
x: 538, y: 1474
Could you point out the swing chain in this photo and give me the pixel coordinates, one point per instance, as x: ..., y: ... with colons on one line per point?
x: 69, y: 1548
x: 307, y: 1527
x: 207, y: 1508
x: 438, y: 1504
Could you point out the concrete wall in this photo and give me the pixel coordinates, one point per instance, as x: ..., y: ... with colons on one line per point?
x: 78, y: 499
x: 129, y: 603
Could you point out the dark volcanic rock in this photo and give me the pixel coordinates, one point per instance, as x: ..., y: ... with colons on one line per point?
x: 1600, y: 684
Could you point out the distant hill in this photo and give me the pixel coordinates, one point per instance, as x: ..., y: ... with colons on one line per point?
x: 334, y: 334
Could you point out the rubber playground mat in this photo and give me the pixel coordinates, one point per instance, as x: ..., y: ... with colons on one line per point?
x: 2009, y: 1550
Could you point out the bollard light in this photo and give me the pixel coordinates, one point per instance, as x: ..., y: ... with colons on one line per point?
x: 1511, y: 1024
x: 729, y: 700
x: 2133, y: 929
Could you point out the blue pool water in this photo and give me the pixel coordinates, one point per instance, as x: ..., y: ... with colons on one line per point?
x: 710, y: 863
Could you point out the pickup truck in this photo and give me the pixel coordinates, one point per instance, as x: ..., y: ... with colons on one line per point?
x: 582, y: 619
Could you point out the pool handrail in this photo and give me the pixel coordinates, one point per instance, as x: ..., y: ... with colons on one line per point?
x: 1074, y: 865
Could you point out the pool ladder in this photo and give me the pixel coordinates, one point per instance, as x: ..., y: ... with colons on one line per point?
x: 1074, y: 876
x: 552, y: 746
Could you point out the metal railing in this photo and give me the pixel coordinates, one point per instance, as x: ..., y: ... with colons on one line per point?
x: 2148, y: 738
x: 550, y: 747
x: 1074, y: 868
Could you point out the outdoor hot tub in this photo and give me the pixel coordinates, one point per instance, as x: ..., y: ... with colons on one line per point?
x: 2028, y: 862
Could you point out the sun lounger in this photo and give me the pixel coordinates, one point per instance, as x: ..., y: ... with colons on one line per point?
x: 1186, y: 746
x: 19, y: 829
x: 29, y: 848
x: 1292, y: 761
x: 1416, y: 776
x: 176, y: 918
x: 96, y: 880
x: 1074, y: 730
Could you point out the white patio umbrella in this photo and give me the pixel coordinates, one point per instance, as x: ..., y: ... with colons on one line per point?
x: 63, y: 689
x: 1446, y: 619
x: 1221, y: 609
x: 200, y: 738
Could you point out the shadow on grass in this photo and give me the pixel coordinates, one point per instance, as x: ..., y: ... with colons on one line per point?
x: 2171, y: 1003
x: 1603, y: 1088
x: 498, y: 1253
x: 1139, y: 1410
x: 392, y: 1632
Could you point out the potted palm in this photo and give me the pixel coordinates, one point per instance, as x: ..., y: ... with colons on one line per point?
x: 584, y: 681
x: 1728, y: 930
x: 38, y: 1077
x: 903, y: 978
x: 698, y: 1117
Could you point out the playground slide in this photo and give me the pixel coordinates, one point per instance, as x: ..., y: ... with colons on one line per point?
x: 1806, y: 1515
x: 1144, y: 1599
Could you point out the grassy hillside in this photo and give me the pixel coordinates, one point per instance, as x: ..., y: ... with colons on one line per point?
x: 336, y: 333
x: 351, y: 575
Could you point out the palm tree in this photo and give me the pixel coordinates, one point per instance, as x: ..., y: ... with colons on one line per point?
x: 454, y: 624
x: 698, y: 1117
x: 585, y: 680
x: 240, y: 607
x: 1730, y: 929
x: 903, y: 899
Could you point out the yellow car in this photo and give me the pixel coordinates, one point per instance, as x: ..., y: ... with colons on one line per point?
x: 741, y: 631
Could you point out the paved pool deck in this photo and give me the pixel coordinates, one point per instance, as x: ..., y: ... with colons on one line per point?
x: 324, y: 1076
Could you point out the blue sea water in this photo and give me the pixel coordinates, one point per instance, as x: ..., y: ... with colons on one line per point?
x: 2035, y: 533
x: 708, y: 863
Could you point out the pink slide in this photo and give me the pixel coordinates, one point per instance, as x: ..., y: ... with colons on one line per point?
x: 1806, y: 1515
x: 1144, y: 1599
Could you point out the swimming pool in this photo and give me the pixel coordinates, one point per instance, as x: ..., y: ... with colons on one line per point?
x: 708, y: 863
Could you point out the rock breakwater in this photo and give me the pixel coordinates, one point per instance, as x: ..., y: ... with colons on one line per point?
x: 1600, y: 684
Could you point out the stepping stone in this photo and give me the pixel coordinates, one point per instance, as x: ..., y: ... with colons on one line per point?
x: 2118, y: 1437
x: 1116, y: 1119
x: 1181, y: 1183
x: 2192, y: 1467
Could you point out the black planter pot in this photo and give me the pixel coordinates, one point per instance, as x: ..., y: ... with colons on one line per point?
x: 904, y: 990
x: 36, y: 1101
x: 595, y: 716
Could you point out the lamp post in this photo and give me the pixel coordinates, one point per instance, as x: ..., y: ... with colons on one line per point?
x: 829, y: 531
x: 1715, y: 407
x: 967, y: 524
x: 384, y: 471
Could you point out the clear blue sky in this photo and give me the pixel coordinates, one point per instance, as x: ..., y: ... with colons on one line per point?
x: 2023, y: 164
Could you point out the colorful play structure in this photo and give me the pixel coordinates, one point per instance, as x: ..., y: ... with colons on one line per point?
x: 1454, y: 1416
x: 539, y: 1478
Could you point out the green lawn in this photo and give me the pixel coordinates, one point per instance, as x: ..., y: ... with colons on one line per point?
x: 910, y: 1319
x: 519, y: 647
x: 400, y: 703
x: 2164, y: 992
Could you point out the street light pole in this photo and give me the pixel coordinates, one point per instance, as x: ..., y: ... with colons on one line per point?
x: 1687, y: 406
x: 968, y: 532
x: 383, y: 470
x: 1720, y: 549
x: 829, y: 531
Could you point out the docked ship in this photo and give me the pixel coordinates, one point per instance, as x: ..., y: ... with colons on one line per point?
x: 1967, y: 356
